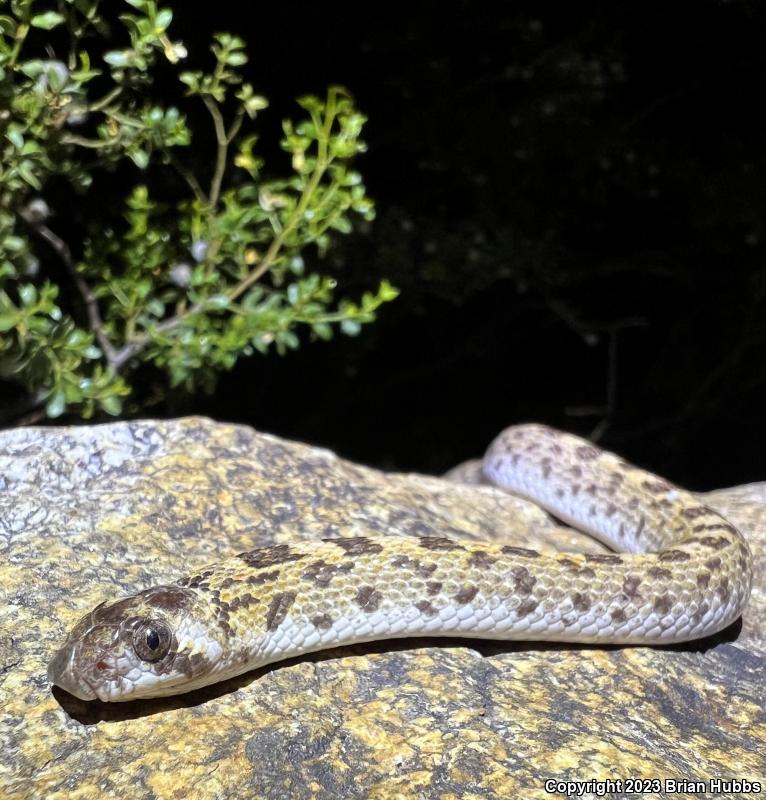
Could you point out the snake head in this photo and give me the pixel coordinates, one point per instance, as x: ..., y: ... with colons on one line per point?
x: 142, y: 645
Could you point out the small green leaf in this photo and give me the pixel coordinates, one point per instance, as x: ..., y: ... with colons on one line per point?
x: 7, y: 270
x: 117, y: 58
x: 140, y: 158
x: 28, y: 294
x: 217, y: 302
x: 350, y: 327
x: 236, y: 59
x: 342, y: 223
x: 33, y: 68
x: 289, y: 340
x: 387, y: 292
x: 8, y: 321
x: 47, y: 21
x: 77, y: 338
x: 111, y: 404
x: 14, y: 244
x: 26, y: 171
x: 323, y: 330
x: 191, y: 79
x: 15, y: 137
x: 56, y: 404
x: 163, y: 19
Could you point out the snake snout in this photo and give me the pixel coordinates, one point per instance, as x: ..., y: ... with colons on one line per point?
x: 60, y: 673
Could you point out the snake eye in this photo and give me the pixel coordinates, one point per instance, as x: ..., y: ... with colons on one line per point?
x: 151, y: 640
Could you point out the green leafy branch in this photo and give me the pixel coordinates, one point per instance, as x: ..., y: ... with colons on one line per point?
x: 188, y: 286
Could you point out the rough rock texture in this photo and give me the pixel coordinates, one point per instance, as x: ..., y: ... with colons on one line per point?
x: 88, y: 514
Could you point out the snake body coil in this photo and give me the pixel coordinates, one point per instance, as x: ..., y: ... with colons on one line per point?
x: 684, y: 572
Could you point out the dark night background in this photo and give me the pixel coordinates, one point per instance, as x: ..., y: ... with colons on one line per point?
x: 570, y: 198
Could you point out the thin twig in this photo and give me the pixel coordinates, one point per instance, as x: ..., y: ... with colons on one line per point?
x: 235, y: 126
x: 611, y: 389
x: 586, y: 329
x: 83, y: 141
x: 223, y: 148
x: 61, y: 248
x: 32, y: 418
x: 22, y: 29
x: 98, y: 105
x: 187, y: 175
x: 127, y: 352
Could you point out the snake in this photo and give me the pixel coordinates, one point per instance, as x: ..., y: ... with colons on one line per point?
x: 677, y: 571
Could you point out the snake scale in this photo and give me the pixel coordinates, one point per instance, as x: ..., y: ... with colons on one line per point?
x: 683, y: 572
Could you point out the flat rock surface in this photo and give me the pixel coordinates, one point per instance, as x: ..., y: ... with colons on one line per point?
x: 92, y: 513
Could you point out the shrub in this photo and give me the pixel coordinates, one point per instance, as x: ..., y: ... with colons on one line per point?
x: 187, y: 285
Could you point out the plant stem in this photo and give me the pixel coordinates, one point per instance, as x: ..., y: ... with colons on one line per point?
x: 26, y: 411
x: 187, y: 175
x: 82, y: 141
x: 61, y: 248
x: 98, y: 105
x: 235, y: 126
x: 25, y: 12
x: 223, y: 148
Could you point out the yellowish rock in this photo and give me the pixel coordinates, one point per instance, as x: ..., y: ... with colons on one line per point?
x: 91, y: 513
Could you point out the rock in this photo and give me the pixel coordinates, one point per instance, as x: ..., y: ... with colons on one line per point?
x: 91, y: 513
